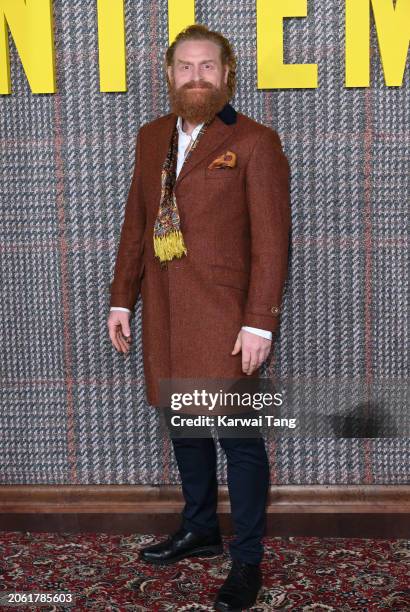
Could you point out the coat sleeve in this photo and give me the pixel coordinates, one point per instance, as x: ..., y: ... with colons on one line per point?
x: 125, y: 286
x: 268, y: 200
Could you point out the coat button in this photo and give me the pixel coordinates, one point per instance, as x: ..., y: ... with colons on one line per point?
x: 275, y: 310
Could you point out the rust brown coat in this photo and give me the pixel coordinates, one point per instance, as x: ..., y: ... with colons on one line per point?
x: 235, y: 223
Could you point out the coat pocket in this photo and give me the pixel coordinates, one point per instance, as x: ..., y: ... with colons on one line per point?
x: 229, y: 277
x: 222, y: 173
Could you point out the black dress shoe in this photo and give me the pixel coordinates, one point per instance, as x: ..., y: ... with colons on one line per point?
x: 240, y: 589
x: 182, y: 544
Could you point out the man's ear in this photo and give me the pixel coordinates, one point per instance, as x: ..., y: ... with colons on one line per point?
x: 169, y: 71
x: 226, y: 73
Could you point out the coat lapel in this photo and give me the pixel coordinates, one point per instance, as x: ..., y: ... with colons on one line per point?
x: 219, y: 130
x: 215, y: 134
x: 163, y: 137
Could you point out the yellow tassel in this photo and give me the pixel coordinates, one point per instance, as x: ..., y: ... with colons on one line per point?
x: 169, y: 246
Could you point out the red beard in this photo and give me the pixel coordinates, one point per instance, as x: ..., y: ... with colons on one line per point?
x: 197, y: 105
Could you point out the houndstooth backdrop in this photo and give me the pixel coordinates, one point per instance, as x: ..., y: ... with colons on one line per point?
x: 73, y: 410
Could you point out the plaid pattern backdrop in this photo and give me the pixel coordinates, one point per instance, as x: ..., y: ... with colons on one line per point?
x: 73, y: 409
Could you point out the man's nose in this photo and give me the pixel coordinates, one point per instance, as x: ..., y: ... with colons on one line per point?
x: 196, y: 74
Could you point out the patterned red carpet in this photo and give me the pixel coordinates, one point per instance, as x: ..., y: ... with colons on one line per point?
x: 300, y: 574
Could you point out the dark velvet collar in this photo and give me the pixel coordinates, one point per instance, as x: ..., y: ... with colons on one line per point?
x: 227, y: 114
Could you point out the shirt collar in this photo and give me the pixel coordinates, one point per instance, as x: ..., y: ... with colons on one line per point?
x: 194, y: 132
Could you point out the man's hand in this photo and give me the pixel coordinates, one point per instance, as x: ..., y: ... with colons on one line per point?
x: 119, y: 330
x: 254, y: 348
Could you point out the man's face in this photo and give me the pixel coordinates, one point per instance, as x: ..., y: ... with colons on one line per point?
x: 198, y: 80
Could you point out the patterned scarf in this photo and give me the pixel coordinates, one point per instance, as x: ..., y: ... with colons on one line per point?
x: 168, y: 238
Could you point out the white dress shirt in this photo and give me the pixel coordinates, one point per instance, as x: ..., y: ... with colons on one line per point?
x: 184, y: 142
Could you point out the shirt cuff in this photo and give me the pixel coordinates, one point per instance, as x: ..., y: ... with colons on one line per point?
x: 120, y: 308
x: 259, y: 332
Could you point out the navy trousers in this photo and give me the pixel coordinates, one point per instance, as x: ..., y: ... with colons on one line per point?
x: 248, y: 483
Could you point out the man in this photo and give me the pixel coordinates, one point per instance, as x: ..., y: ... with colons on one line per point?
x: 205, y: 239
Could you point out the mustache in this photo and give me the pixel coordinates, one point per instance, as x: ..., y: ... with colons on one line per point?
x: 196, y: 85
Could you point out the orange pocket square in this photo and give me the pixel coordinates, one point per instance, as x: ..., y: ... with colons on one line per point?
x: 226, y: 160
